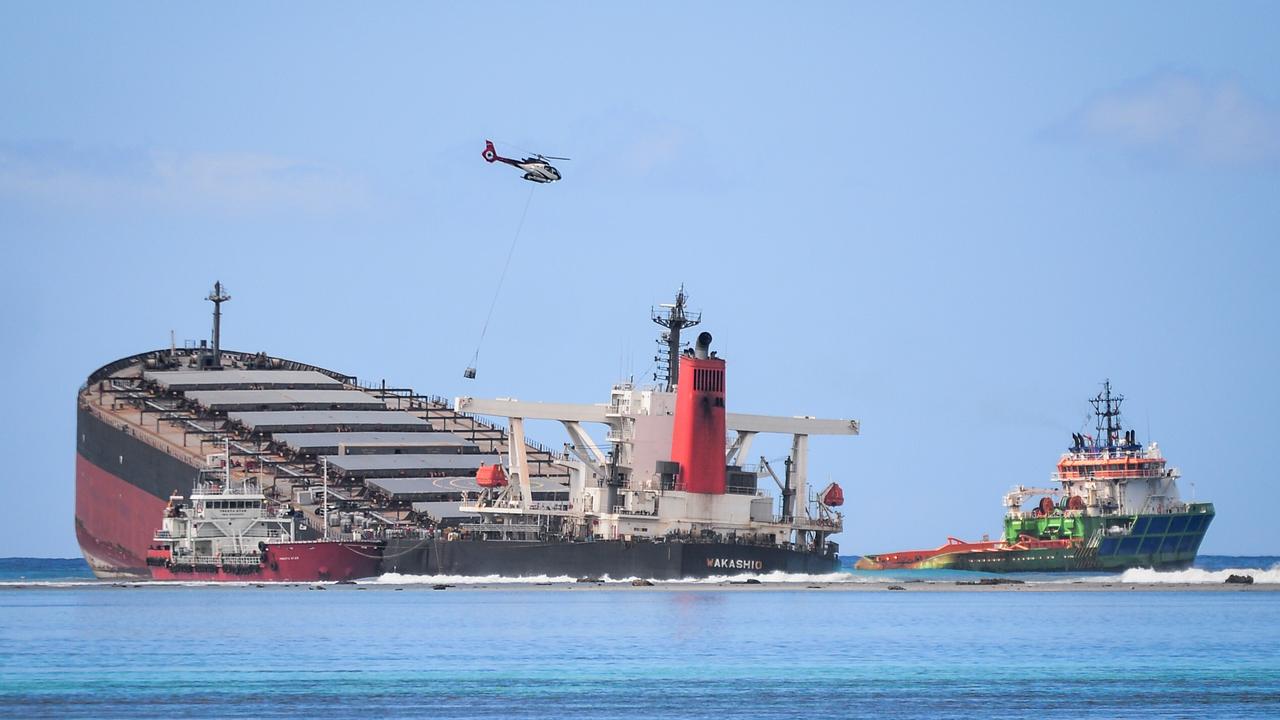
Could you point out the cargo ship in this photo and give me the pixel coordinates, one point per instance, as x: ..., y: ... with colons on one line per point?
x: 435, y: 486
x: 1117, y: 506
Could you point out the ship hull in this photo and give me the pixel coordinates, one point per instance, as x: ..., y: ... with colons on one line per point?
x: 1166, y: 542
x: 614, y: 559
x: 287, y: 562
x: 122, y: 487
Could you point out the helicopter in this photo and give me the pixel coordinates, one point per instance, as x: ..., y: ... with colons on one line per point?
x: 536, y: 169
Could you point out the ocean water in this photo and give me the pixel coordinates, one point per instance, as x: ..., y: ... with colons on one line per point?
x: 72, y: 647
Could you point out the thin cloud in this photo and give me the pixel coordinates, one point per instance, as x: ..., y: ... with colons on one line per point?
x: 634, y: 146
x: 1184, y: 118
x: 231, y: 183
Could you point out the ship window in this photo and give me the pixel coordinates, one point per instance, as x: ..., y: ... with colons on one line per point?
x: 1158, y: 525
x: 1178, y: 523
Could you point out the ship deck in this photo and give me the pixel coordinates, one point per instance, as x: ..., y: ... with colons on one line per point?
x: 281, y: 421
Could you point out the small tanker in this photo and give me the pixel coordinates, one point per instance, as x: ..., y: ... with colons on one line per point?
x: 225, y: 532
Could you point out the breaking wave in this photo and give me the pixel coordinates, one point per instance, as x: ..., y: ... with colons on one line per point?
x: 777, y: 577
x: 772, y: 578
x: 1196, y: 575
x: 403, y: 579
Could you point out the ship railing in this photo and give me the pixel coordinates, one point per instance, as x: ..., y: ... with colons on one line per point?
x: 1110, y: 475
x: 505, y: 528
x: 1030, y: 514
x: 237, y: 559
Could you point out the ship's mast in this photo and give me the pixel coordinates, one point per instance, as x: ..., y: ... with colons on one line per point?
x: 1107, y: 408
x: 673, y: 317
x: 217, y: 297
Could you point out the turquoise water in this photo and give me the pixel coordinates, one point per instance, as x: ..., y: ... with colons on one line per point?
x: 103, y: 650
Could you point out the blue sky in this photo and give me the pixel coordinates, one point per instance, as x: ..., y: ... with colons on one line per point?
x: 951, y: 222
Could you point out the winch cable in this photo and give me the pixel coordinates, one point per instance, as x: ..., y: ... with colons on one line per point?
x: 475, y: 358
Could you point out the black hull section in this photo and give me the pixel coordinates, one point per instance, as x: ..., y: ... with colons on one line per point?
x: 139, y: 463
x: 616, y: 559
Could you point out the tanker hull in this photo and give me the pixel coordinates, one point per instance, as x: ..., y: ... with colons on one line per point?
x: 122, y: 486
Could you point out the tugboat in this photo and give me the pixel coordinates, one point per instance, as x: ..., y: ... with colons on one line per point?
x: 225, y: 531
x: 1118, y: 507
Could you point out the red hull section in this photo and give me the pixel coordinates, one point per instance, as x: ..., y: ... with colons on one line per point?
x: 115, y: 521
x: 303, y: 561
x: 911, y: 559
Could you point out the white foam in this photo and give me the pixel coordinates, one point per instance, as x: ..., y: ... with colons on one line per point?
x: 1196, y: 575
x: 403, y: 579
x: 779, y: 577
x: 763, y: 578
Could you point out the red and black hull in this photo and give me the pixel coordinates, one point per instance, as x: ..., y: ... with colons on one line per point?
x: 122, y: 488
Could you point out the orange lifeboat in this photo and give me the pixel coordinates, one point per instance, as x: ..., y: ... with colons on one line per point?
x: 832, y: 496
x: 491, y: 476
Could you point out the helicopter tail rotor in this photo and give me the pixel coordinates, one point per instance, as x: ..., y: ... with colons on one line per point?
x: 490, y: 153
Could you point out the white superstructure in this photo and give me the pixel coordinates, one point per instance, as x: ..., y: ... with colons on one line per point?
x: 224, y: 523
x: 634, y: 489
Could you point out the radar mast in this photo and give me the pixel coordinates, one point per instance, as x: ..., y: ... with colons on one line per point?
x: 217, y: 297
x: 1107, y: 408
x: 674, y: 318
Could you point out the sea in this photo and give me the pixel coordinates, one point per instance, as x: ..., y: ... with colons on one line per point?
x: 1139, y: 644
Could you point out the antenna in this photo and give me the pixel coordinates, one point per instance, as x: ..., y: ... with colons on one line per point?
x: 326, y: 498
x: 1107, y: 409
x: 674, y: 318
x: 217, y: 297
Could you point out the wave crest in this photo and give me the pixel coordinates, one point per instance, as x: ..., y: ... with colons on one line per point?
x: 771, y: 578
x: 1197, y: 576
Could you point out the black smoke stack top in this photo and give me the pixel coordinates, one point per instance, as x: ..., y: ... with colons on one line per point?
x: 703, y: 345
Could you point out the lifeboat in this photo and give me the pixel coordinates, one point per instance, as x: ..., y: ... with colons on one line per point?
x: 491, y: 476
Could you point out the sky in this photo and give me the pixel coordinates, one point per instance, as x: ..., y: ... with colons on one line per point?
x: 951, y: 222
